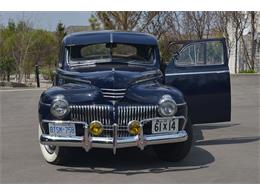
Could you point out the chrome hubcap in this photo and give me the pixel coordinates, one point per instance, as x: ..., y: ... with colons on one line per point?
x: 50, y: 148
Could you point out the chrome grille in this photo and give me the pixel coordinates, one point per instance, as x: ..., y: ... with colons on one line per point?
x: 129, y: 113
x: 113, y: 94
x: 90, y: 113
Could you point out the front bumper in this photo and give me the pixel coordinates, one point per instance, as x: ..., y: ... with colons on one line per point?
x: 87, y: 141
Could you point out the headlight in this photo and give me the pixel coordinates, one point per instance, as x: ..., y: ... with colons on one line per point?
x: 167, y: 106
x: 60, y: 107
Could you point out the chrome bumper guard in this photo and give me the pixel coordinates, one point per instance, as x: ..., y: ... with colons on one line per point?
x: 87, y: 141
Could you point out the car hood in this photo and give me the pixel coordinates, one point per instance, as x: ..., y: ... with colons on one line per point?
x: 112, y: 76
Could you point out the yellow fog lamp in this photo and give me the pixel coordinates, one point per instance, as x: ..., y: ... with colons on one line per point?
x: 95, y: 128
x: 134, y: 127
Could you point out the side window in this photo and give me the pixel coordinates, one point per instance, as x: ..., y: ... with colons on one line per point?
x: 201, y: 54
x: 215, y: 53
x: 187, y: 56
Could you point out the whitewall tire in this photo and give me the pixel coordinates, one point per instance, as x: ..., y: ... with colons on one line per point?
x: 52, y: 154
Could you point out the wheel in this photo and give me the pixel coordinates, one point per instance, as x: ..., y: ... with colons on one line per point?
x: 177, y: 151
x: 54, y: 154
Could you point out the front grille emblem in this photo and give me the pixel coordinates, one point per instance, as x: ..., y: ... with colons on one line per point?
x: 113, y: 94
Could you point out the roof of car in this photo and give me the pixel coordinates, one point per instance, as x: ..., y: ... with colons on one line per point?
x: 96, y: 37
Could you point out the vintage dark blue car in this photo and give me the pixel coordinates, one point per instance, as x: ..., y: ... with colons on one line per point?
x: 111, y: 90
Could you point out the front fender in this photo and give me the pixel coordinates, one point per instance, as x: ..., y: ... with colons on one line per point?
x: 73, y: 93
x: 76, y: 94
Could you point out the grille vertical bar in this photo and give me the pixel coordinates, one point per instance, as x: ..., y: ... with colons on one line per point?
x: 89, y: 113
x: 129, y: 113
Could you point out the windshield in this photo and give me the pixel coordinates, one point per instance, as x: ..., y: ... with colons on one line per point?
x: 110, y: 52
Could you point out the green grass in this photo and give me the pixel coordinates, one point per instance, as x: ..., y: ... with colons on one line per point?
x: 247, y: 71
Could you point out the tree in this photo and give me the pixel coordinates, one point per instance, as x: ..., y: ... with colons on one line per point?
x: 222, y: 22
x: 44, y: 52
x: 124, y: 20
x: 238, y: 22
x: 198, y: 24
x: 154, y: 22
x: 20, y: 46
x: 253, y: 23
x: 16, y: 45
x: 174, y: 24
x: 6, y: 67
x: 23, y: 47
x: 60, y: 33
x: 95, y: 25
x: 43, y: 47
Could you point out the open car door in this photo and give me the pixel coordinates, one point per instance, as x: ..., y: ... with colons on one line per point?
x: 200, y: 71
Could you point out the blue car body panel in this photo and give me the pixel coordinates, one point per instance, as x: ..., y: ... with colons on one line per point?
x: 109, y: 37
x: 205, y: 89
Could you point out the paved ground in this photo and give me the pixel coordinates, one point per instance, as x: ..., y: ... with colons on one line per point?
x: 222, y: 153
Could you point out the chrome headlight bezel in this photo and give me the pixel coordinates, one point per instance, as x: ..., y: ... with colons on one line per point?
x: 60, y: 103
x: 166, y: 100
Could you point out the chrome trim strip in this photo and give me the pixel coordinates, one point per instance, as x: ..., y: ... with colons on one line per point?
x: 141, y: 139
x: 63, y: 122
x: 109, y: 93
x: 106, y: 89
x: 192, y: 73
x: 113, y: 93
x: 86, y: 139
x: 112, y: 96
x: 182, y: 104
x: 106, y: 142
x: 62, y: 141
x: 111, y: 37
x: 115, y: 129
x: 116, y: 141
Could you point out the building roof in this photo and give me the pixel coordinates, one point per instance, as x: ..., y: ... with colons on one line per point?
x: 95, y: 37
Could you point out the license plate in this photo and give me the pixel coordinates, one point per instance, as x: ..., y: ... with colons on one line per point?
x: 62, y: 130
x: 165, y: 125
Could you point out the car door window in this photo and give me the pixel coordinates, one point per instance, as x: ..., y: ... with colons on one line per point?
x: 215, y: 53
x: 201, y: 54
x: 187, y: 56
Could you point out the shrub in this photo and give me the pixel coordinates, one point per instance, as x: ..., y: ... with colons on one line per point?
x: 47, y: 73
x: 247, y: 71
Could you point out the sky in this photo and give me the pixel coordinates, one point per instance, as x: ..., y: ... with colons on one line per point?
x: 48, y: 20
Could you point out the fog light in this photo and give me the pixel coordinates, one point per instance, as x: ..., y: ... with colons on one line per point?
x: 95, y: 128
x: 134, y: 127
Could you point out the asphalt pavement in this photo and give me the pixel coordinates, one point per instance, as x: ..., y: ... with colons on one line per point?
x: 221, y: 153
